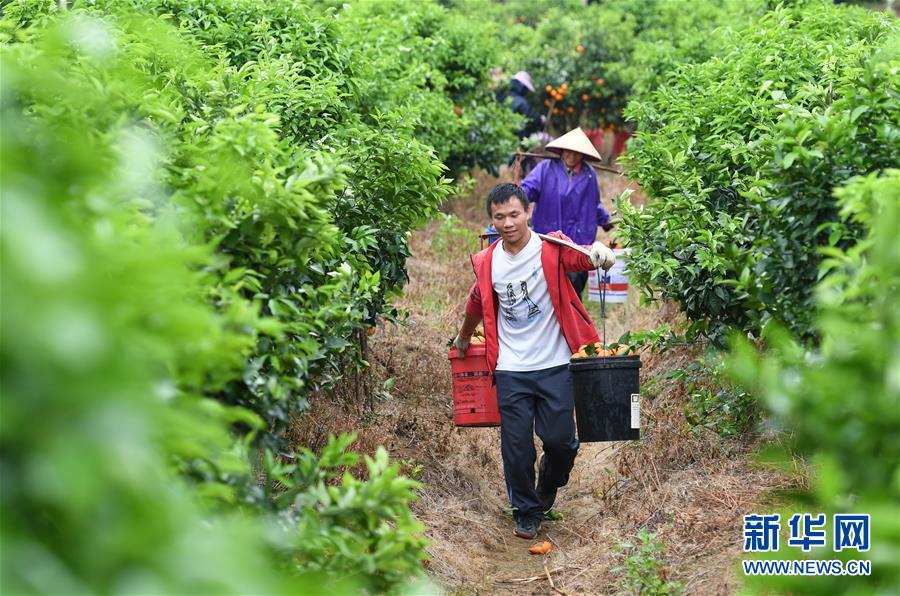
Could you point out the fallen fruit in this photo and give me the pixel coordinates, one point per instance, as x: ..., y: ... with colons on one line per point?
x: 540, y: 549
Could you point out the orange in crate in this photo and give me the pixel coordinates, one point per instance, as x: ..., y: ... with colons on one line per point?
x: 474, y: 394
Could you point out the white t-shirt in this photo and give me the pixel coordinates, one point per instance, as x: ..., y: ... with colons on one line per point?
x: 530, y: 336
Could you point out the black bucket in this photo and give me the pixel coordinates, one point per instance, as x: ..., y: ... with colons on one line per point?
x: 607, y: 398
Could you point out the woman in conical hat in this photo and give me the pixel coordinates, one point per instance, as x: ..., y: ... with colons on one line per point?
x: 575, y: 141
x: 566, y: 194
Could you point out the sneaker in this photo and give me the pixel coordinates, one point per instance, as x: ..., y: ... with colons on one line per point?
x: 546, y: 494
x: 527, y: 527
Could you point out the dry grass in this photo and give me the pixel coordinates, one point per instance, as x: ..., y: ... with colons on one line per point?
x: 689, y: 487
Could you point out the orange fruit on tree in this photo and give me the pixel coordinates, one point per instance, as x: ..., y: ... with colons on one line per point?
x: 457, y: 110
x: 580, y: 49
x: 570, y: 109
x: 549, y: 88
x: 585, y: 97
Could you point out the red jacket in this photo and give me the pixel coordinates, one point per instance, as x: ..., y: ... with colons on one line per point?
x: 576, y: 324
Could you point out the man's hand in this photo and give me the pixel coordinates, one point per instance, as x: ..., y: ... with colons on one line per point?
x: 461, y: 345
x: 602, y: 256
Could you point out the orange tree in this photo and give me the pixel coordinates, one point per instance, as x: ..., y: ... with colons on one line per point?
x: 587, y: 62
x: 741, y: 154
x: 432, y: 67
x: 575, y: 55
x: 151, y: 220
x: 265, y: 145
x: 838, y: 402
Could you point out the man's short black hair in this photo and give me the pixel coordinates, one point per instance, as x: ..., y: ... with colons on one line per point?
x: 502, y: 193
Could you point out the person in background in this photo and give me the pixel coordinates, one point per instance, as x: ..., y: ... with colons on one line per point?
x: 566, y: 195
x: 519, y: 87
x: 533, y: 322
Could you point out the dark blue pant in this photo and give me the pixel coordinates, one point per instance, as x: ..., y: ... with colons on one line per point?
x: 578, y: 279
x: 539, y: 401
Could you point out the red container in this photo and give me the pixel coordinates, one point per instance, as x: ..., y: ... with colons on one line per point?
x: 474, y: 393
x: 619, y: 142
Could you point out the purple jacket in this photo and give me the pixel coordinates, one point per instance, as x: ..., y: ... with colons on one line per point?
x: 560, y: 204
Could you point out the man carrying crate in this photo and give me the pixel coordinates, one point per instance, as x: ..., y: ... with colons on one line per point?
x: 533, y: 322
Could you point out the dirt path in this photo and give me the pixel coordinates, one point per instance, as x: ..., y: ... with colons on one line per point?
x: 688, y: 486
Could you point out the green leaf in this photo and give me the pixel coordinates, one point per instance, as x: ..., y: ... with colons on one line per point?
x: 857, y: 112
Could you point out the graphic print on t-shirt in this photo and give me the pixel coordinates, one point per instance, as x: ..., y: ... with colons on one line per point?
x: 509, y: 313
x: 533, y: 309
x: 517, y: 307
x: 528, y: 333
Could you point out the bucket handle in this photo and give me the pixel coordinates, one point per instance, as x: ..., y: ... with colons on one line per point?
x: 603, y: 286
x: 603, y: 277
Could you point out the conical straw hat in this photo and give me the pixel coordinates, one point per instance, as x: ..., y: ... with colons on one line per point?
x: 575, y: 140
x: 524, y: 78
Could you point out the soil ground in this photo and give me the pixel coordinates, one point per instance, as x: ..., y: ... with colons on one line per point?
x: 688, y: 486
